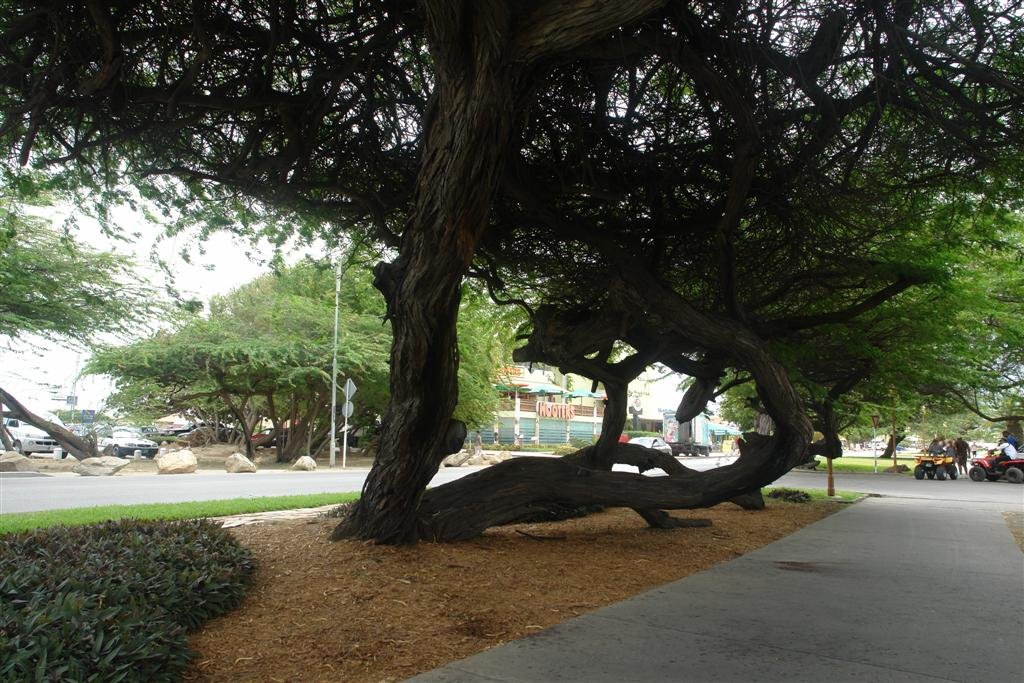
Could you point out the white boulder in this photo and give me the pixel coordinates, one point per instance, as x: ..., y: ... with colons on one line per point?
x: 237, y: 463
x: 457, y: 459
x: 103, y: 466
x: 305, y: 463
x: 11, y: 461
x: 176, y: 462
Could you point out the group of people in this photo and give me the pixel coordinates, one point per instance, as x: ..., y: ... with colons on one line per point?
x: 957, y: 449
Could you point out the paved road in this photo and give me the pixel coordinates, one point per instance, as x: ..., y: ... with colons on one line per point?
x: 889, y: 589
x: 20, y: 493
x: 28, y: 493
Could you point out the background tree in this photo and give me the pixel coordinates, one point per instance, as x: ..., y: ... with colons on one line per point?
x: 52, y: 287
x: 264, y: 352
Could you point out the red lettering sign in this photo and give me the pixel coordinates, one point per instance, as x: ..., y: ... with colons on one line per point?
x: 562, y: 411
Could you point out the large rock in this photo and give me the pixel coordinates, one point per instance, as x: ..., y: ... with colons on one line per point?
x: 237, y: 462
x: 103, y: 466
x: 11, y: 461
x: 457, y: 459
x: 305, y: 463
x: 176, y: 462
x: 484, y: 459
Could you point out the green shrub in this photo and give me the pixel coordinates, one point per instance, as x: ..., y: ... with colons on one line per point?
x: 790, y: 495
x: 564, y: 449
x: 113, y: 601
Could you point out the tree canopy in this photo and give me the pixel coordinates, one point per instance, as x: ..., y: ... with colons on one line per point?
x: 702, y: 185
x: 264, y: 352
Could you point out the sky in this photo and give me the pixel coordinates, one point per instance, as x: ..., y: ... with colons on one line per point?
x: 41, y: 369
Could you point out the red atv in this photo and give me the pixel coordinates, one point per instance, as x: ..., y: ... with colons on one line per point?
x: 987, y: 468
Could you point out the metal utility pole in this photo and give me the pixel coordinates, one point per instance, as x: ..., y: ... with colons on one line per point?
x: 334, y: 363
x: 874, y: 437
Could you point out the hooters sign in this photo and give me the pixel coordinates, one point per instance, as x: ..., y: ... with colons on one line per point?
x: 563, y: 411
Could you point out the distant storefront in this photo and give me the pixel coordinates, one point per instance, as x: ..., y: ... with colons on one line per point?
x: 535, y: 410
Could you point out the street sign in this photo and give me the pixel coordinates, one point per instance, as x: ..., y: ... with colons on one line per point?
x: 72, y: 401
x: 88, y: 416
x: 874, y: 420
x: 346, y: 409
x: 350, y: 388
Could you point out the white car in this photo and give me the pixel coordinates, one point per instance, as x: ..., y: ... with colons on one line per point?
x: 28, y: 439
x: 654, y: 442
x: 127, y: 442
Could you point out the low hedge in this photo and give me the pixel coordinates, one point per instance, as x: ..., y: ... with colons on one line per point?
x: 113, y: 601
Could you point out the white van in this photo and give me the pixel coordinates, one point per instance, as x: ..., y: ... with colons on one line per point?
x: 28, y: 439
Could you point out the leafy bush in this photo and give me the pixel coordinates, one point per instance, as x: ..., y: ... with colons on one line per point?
x: 634, y: 433
x: 564, y: 449
x: 790, y: 495
x: 113, y: 601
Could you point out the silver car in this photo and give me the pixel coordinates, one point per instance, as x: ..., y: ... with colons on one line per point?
x: 655, y: 442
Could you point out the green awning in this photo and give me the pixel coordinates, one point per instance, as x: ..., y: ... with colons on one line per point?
x: 722, y: 430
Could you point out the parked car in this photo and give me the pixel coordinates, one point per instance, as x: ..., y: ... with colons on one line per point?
x: 125, y: 442
x: 267, y: 437
x: 657, y: 443
x: 28, y: 439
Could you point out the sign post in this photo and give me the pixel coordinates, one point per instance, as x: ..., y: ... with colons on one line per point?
x: 346, y: 410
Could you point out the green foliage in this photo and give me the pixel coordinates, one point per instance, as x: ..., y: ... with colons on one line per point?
x: 564, y: 449
x: 51, y: 285
x: 790, y: 495
x: 114, y: 601
x: 270, y: 341
x: 631, y: 433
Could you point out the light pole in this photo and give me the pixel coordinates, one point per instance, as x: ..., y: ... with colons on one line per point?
x: 874, y: 442
x: 334, y: 364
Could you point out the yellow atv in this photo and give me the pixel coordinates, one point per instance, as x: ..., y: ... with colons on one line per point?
x: 934, y: 466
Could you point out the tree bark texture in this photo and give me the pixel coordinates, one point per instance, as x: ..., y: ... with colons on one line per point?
x: 470, y: 127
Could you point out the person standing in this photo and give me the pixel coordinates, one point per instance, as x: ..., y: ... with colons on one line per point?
x: 950, y: 450
x: 963, y: 449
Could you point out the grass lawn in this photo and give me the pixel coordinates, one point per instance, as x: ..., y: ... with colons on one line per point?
x: 861, y: 465
x: 24, y: 521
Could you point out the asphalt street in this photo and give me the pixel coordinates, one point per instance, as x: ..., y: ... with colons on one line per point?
x: 27, y: 493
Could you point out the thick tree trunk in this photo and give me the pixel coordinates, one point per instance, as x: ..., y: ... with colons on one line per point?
x: 890, y: 446
x: 479, y: 60
x: 463, y: 156
x: 72, y: 443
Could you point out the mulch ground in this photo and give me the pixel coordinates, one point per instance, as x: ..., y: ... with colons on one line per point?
x: 353, y: 611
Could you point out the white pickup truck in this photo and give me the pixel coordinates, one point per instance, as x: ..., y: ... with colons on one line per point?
x: 28, y: 439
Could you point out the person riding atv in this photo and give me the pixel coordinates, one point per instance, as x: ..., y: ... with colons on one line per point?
x: 936, y: 463
x: 1003, y: 462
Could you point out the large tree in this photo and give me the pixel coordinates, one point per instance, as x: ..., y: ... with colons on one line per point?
x: 673, y: 182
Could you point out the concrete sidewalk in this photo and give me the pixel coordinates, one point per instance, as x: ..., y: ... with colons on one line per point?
x: 889, y: 589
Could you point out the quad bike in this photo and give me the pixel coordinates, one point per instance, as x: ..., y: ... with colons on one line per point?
x: 987, y: 468
x: 934, y: 466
